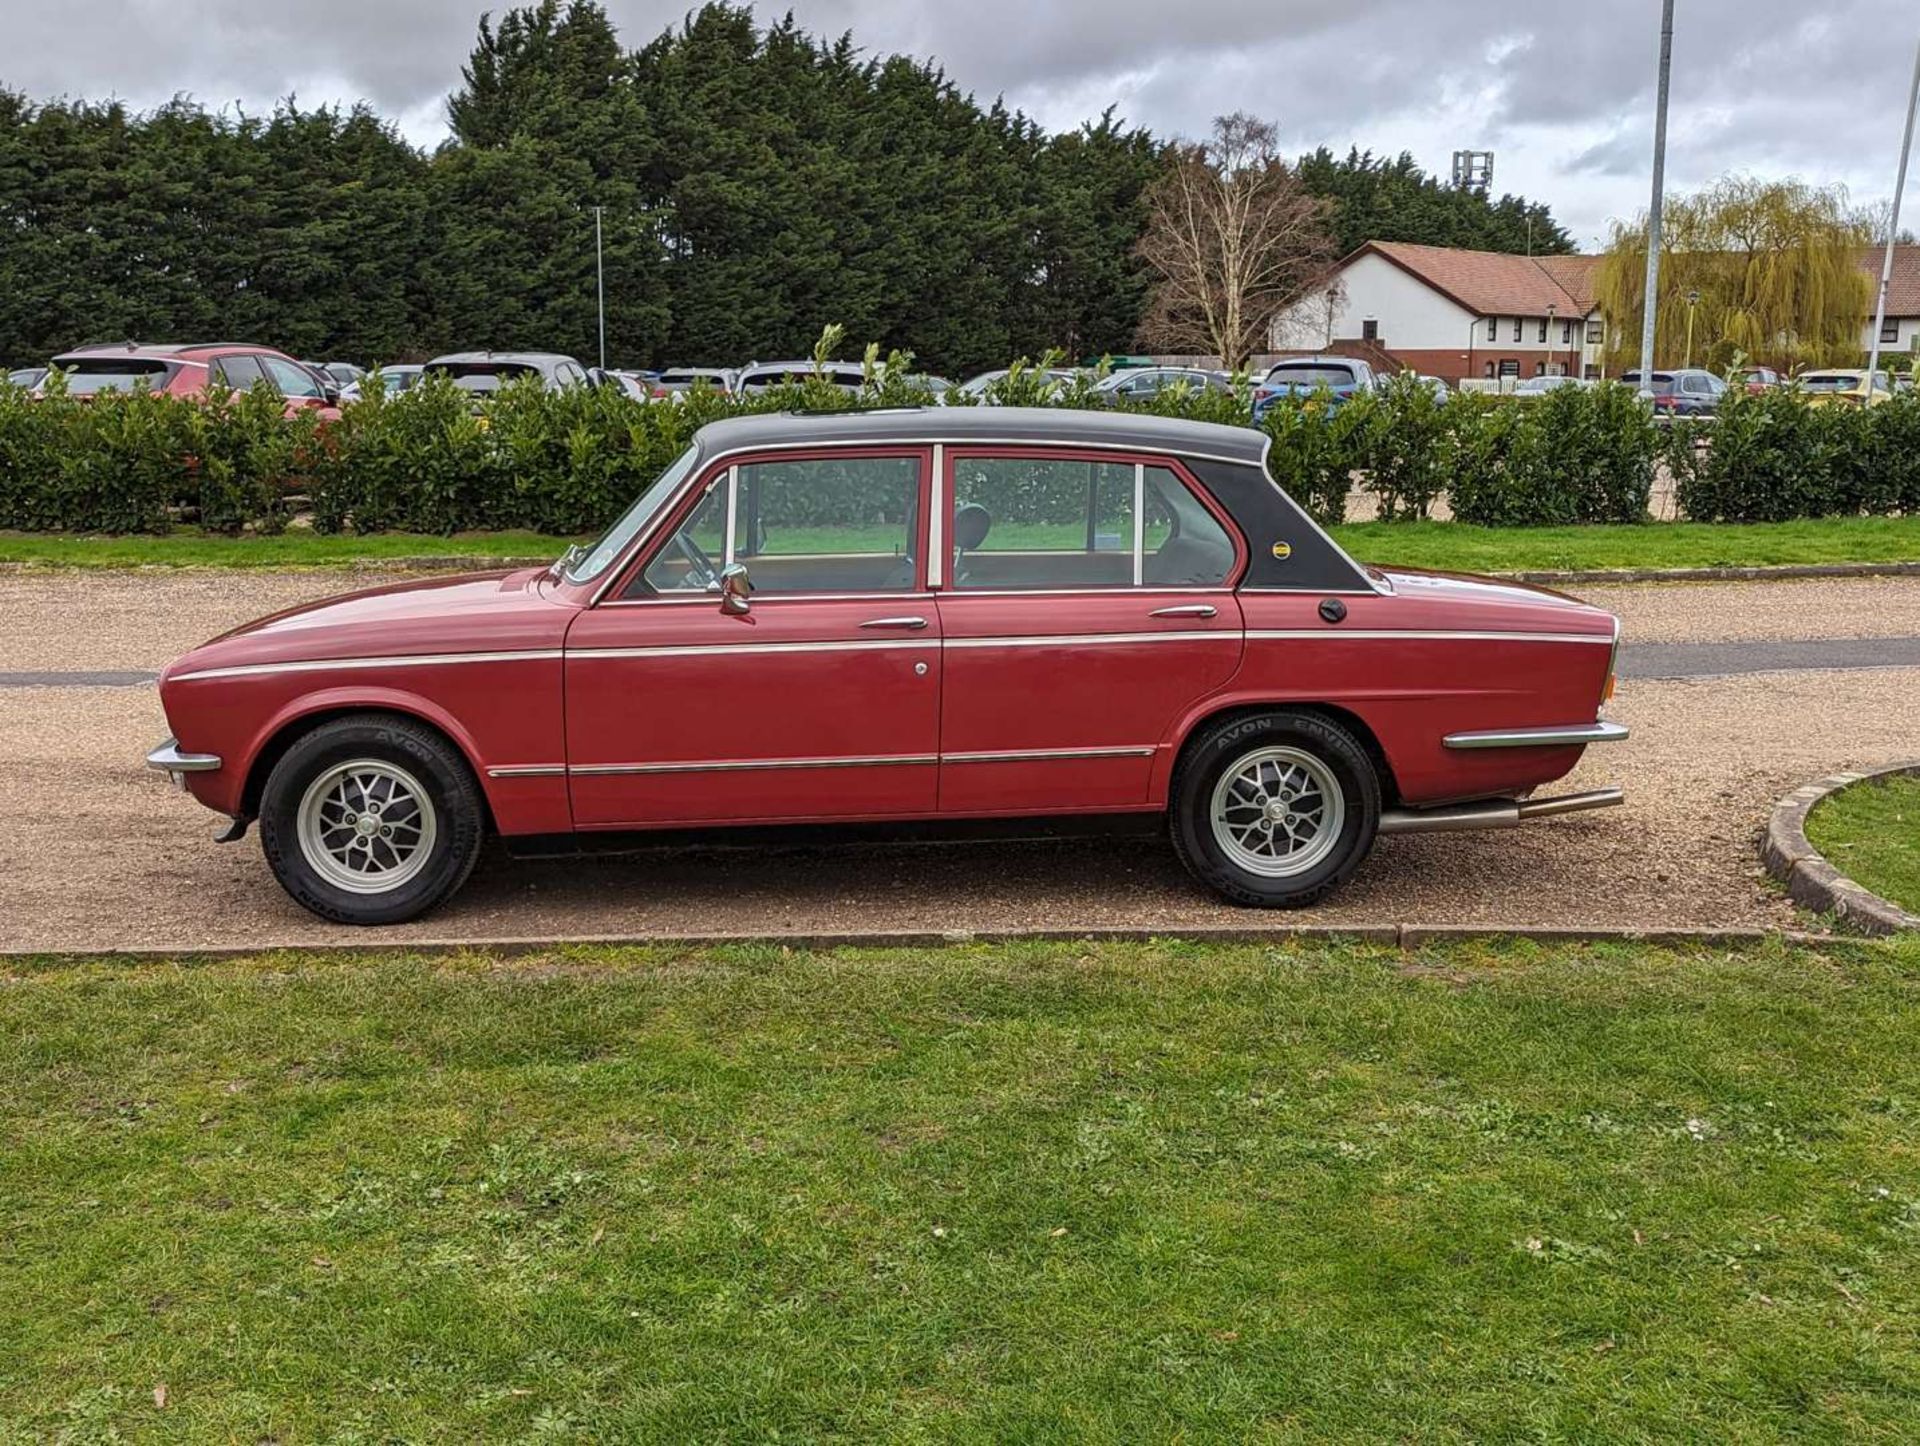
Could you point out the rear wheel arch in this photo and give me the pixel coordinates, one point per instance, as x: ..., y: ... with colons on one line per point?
x: 1363, y: 734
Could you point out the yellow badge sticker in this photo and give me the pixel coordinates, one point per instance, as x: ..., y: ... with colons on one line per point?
x: 1283, y: 550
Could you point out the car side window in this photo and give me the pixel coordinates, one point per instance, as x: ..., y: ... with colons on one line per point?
x: 290, y: 380
x: 812, y: 525
x: 239, y: 372
x: 1047, y: 523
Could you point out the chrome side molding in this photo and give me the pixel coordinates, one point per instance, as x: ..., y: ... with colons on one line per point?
x: 1566, y: 736
x: 1494, y: 813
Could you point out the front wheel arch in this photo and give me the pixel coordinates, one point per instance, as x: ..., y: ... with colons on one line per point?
x: 292, y: 729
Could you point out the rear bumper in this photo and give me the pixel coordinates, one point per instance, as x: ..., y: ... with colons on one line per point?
x: 170, y: 760
x: 1572, y: 735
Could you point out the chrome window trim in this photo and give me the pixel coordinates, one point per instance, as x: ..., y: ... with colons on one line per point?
x: 1139, y: 523
x: 706, y: 599
x: 1560, y: 737
x: 733, y: 512
x: 936, y: 519
x: 402, y: 660
x: 1118, y: 589
x: 644, y: 538
x: 1333, y: 633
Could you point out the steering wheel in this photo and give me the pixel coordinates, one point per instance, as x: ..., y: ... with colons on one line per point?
x: 701, y: 572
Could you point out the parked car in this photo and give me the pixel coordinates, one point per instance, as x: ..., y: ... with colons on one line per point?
x: 683, y: 379
x: 1756, y: 379
x: 393, y: 380
x: 1681, y: 392
x: 920, y: 615
x: 628, y: 384
x: 341, y: 374
x: 1143, y: 384
x: 1437, y: 386
x: 27, y: 377
x: 1844, y: 387
x: 758, y: 376
x: 484, y: 372
x: 974, y: 386
x: 1339, y: 378
x: 1540, y: 386
x: 187, y: 370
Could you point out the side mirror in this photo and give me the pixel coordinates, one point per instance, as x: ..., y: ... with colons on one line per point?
x: 735, y: 589
x: 330, y: 395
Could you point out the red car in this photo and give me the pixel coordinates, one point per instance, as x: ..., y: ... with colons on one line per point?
x: 909, y: 615
x: 187, y: 371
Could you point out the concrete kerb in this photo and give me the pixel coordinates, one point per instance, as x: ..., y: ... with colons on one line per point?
x: 1810, y: 880
x: 1409, y: 937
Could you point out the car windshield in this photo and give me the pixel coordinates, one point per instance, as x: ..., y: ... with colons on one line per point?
x: 482, y: 377
x: 600, y: 556
x: 1830, y: 381
x: 1310, y: 376
x: 86, y: 376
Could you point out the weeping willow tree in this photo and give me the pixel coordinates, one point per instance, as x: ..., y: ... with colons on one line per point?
x: 1776, y: 266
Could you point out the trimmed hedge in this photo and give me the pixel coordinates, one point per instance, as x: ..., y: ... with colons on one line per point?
x: 569, y: 462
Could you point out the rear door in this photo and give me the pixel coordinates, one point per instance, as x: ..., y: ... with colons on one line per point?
x: 1085, y: 603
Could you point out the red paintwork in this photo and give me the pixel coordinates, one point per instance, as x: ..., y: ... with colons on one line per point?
x: 835, y: 702
x: 193, y: 374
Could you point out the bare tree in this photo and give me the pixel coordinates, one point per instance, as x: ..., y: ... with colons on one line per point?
x: 1235, y: 238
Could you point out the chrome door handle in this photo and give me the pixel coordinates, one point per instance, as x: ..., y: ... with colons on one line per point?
x: 1186, y: 610
x: 915, y: 623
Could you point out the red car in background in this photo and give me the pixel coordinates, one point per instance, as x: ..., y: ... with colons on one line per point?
x: 925, y: 615
x: 189, y: 370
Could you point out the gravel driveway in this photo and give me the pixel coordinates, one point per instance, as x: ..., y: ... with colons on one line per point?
x: 95, y: 852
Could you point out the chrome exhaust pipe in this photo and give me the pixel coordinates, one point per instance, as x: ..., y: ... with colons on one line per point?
x: 1494, y: 813
x: 1572, y: 803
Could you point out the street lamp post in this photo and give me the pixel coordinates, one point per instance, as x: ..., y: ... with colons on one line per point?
x: 600, y: 283
x: 1693, y: 300
x: 1651, y: 309
x: 1893, y: 229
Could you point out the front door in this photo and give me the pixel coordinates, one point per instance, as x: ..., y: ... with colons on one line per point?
x: 819, y: 702
x: 1087, y: 604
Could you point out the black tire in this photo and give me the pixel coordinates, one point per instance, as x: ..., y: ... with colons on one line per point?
x: 1223, y: 747
x: 452, y: 826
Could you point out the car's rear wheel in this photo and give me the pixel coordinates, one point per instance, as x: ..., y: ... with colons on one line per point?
x: 1274, y: 810
x: 371, y: 820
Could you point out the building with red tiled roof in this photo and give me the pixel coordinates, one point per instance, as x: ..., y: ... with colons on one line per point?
x: 1454, y: 314
x: 1486, y: 315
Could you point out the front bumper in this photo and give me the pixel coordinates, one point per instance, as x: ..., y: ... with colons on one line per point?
x: 168, y: 759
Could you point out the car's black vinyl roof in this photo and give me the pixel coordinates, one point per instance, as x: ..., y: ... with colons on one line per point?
x: 1052, y: 426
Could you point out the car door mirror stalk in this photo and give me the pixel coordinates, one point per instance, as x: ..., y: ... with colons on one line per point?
x: 736, y: 589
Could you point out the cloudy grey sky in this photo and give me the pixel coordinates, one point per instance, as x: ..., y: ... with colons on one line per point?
x: 1562, y: 93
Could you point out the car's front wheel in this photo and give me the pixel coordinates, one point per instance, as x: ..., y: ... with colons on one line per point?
x: 371, y: 819
x: 1274, y: 810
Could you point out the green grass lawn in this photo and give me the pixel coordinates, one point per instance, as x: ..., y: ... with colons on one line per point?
x: 1444, y: 545
x: 1033, y: 1193
x: 1872, y: 835
x: 1460, y: 546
